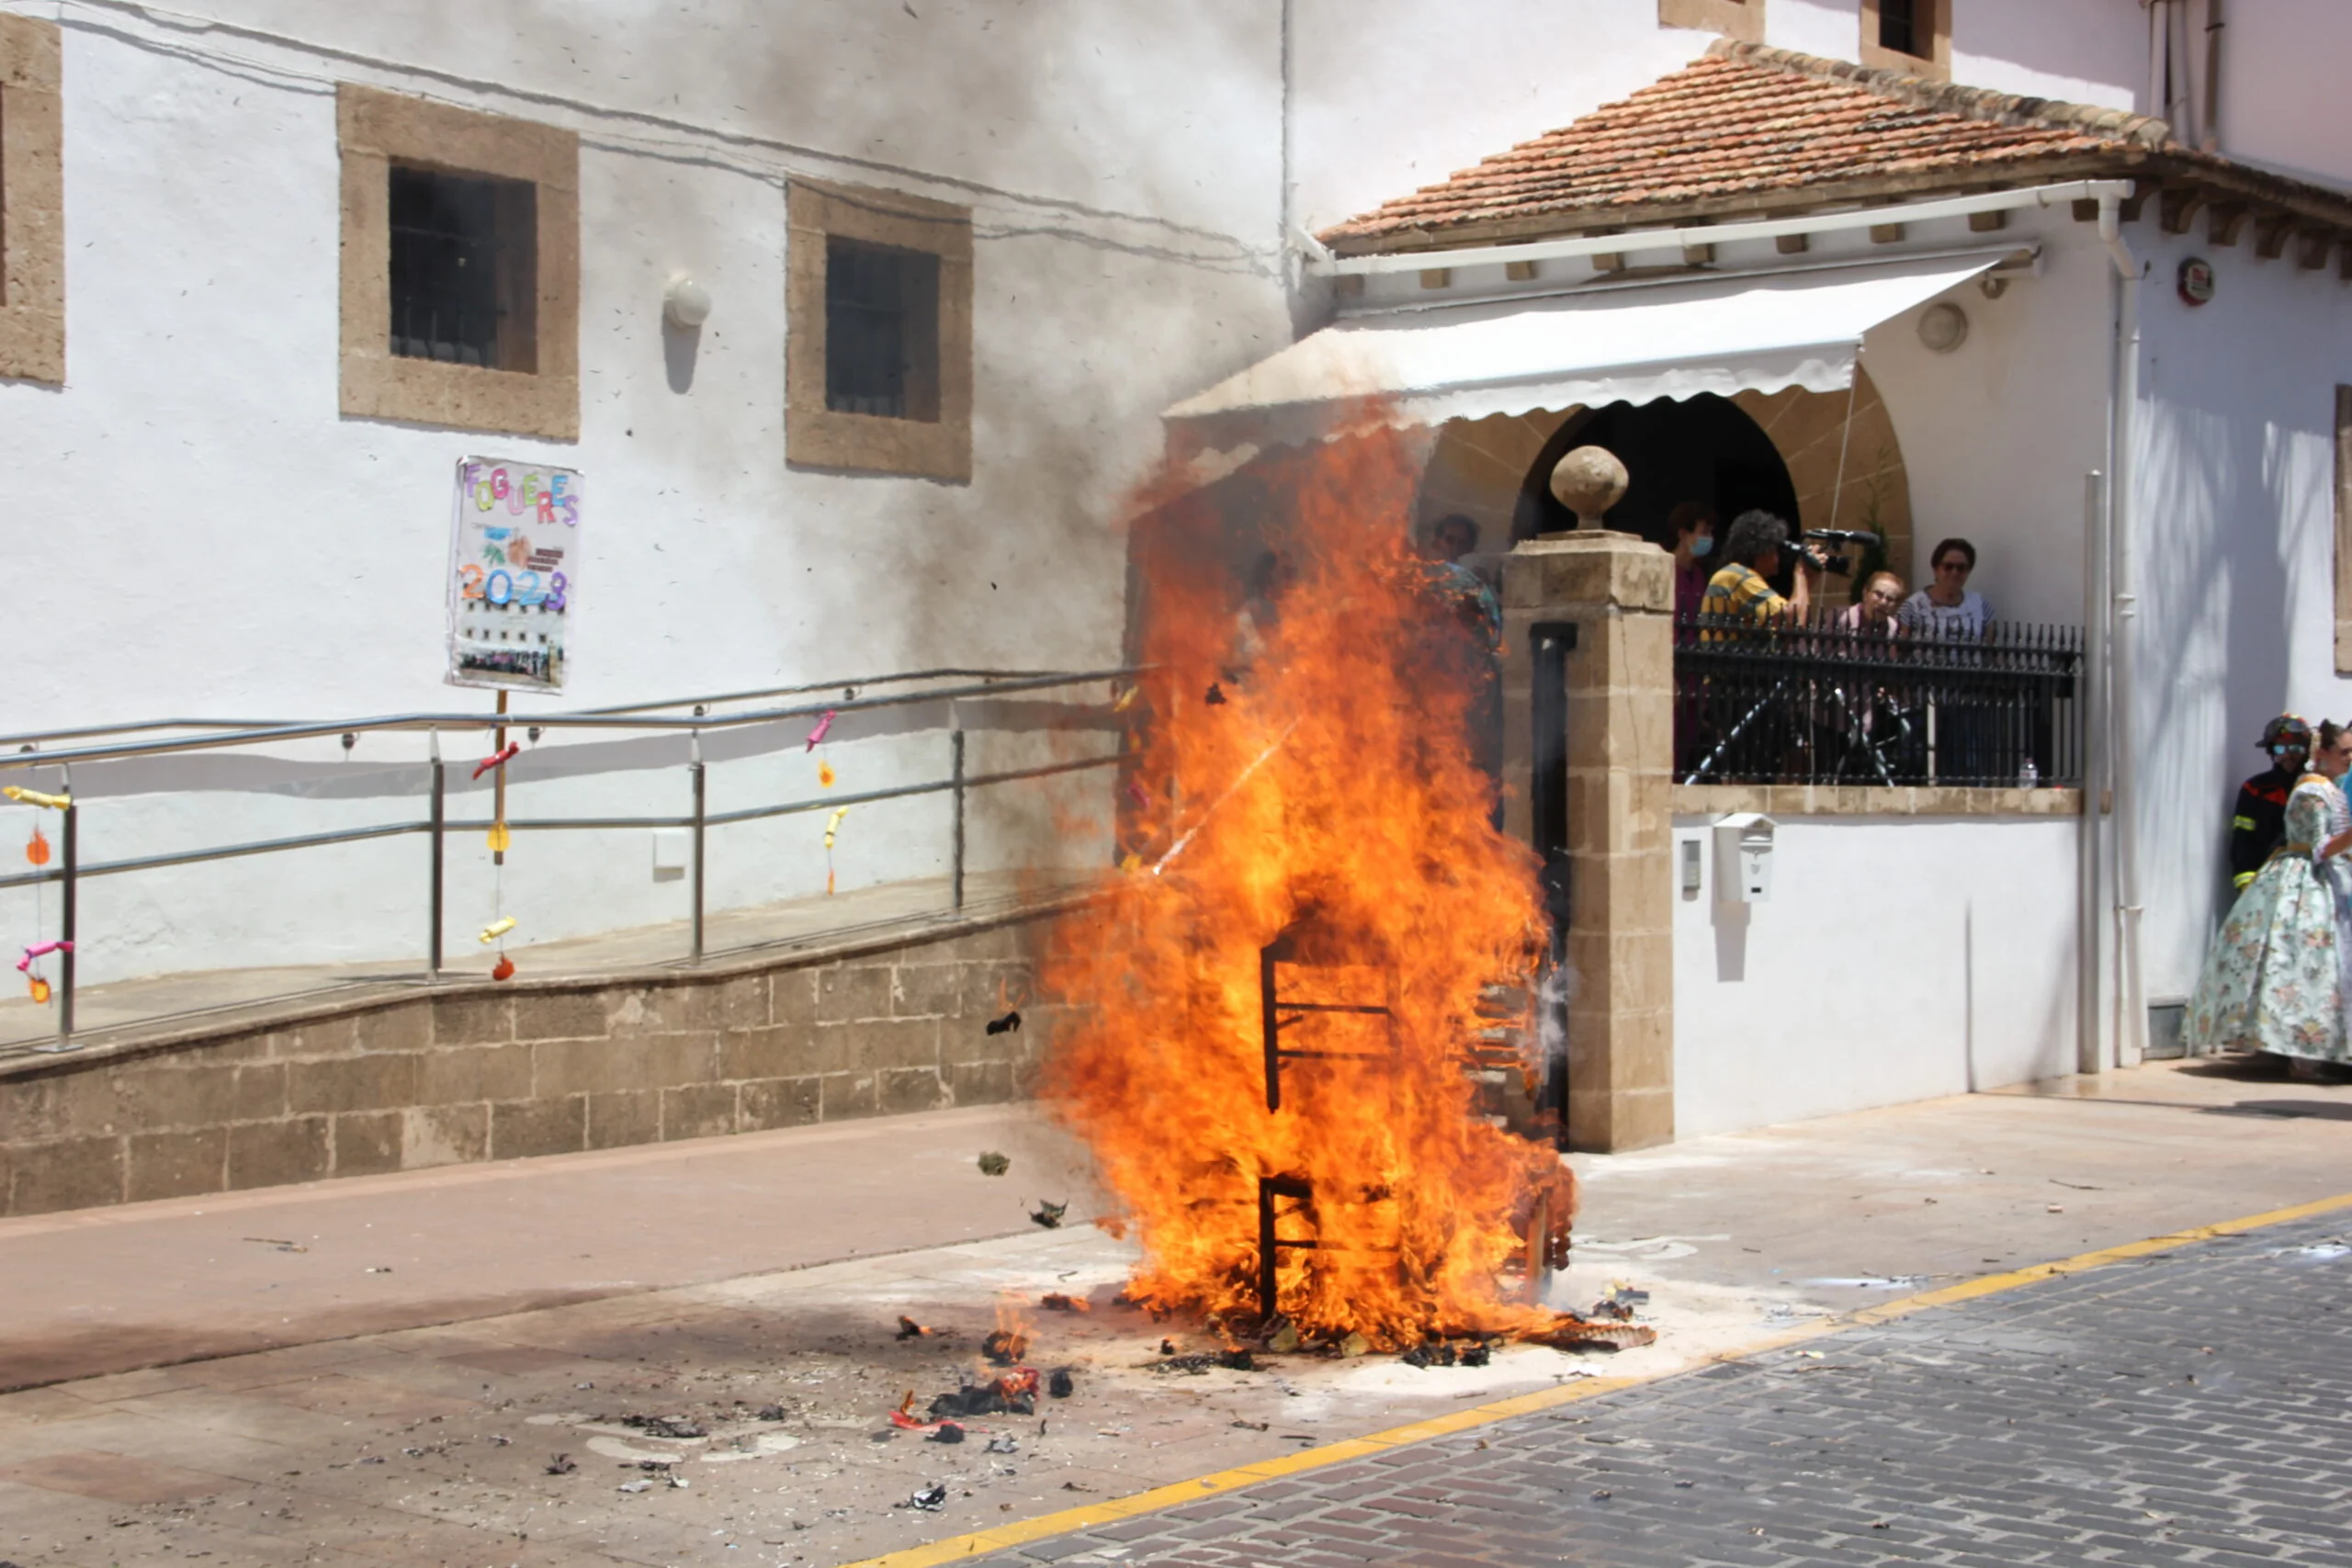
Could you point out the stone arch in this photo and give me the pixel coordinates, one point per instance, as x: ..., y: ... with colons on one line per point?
x: 1479, y: 468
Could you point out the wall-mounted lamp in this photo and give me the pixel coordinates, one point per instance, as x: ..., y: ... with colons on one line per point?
x: 685, y: 303
x: 1943, y: 327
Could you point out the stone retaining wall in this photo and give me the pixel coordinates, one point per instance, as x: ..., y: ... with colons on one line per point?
x: 480, y: 1072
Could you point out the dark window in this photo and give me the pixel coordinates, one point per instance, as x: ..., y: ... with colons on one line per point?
x: 1898, y: 25
x: 881, y: 331
x: 463, y: 279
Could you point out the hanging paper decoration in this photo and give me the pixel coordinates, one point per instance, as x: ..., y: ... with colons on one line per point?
x: 504, y: 969
x: 498, y: 759
x: 501, y: 841
x: 1136, y: 793
x: 824, y: 775
x: 817, y: 734
x: 496, y: 929
x: 34, y: 982
x: 1126, y: 700
x: 36, y: 848
x: 35, y: 797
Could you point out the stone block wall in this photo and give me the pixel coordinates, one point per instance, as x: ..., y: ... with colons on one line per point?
x: 480, y: 1072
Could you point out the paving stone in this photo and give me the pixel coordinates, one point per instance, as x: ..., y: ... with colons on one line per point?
x: 2056, y: 1424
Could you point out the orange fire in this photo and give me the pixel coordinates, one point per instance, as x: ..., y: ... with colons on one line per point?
x: 1302, y: 780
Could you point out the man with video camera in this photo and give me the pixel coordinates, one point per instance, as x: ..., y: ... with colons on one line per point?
x: 1752, y: 553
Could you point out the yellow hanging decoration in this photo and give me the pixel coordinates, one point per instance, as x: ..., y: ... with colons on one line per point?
x: 501, y: 841
x: 35, y: 797
x: 1126, y: 700
x: 1133, y: 862
x: 832, y: 826
x: 496, y: 929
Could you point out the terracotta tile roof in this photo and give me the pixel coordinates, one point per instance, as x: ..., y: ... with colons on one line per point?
x: 1747, y: 129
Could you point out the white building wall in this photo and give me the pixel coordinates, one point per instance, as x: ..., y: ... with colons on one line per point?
x: 1897, y: 959
x: 190, y: 526
x: 1998, y: 434
x: 2236, y: 558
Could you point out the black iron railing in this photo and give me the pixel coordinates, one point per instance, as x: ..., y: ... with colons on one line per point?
x: 1831, y: 701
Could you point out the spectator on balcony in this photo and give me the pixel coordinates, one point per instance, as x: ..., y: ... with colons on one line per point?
x: 1752, y: 551
x: 1693, y: 523
x: 1948, y: 607
x: 1878, y: 610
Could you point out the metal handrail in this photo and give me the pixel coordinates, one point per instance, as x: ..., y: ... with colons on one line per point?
x: 394, y: 723
x: 438, y: 824
x: 36, y: 737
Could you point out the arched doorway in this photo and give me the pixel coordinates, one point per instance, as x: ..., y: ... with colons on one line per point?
x: 1702, y: 448
x: 1838, y: 449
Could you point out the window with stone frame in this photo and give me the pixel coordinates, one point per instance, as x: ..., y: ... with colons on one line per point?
x: 1910, y: 36
x: 460, y: 266
x: 1740, y: 20
x: 879, y: 332
x: 32, y: 201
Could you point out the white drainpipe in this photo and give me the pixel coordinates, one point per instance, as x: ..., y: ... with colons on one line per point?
x: 2132, y: 1039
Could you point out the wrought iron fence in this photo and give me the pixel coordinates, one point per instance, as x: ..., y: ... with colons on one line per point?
x: 1830, y: 700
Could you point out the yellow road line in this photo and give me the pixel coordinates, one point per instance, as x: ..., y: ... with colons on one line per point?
x: 1086, y: 1516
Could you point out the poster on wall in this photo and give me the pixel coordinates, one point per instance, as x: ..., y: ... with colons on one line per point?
x: 513, y: 574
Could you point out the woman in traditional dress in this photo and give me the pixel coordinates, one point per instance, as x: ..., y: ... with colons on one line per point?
x: 2277, y: 977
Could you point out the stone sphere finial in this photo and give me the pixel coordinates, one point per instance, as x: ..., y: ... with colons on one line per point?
x: 1588, y: 481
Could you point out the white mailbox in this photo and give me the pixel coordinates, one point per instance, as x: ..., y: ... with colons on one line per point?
x: 1743, y: 857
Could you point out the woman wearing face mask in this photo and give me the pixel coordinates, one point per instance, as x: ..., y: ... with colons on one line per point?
x: 2275, y: 980
x: 1694, y: 542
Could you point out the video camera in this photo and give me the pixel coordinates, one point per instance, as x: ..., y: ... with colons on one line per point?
x: 1836, y: 565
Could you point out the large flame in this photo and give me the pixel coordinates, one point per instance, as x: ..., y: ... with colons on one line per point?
x: 1326, y: 790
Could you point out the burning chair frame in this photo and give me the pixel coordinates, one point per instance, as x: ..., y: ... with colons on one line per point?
x: 1545, y: 1245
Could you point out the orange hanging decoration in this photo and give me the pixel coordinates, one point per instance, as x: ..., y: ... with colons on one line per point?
x: 824, y: 775
x: 36, y: 849
x: 504, y: 969
x: 39, y: 986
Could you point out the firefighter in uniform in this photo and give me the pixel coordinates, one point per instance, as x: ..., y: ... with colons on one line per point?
x: 2261, y: 816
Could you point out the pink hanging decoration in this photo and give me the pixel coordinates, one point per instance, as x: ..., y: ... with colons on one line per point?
x: 817, y: 734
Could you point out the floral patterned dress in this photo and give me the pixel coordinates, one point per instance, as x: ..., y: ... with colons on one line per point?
x: 2275, y: 980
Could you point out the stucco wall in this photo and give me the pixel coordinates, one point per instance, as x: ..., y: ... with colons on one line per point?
x: 190, y: 526
x: 1896, y: 959
x: 2236, y: 569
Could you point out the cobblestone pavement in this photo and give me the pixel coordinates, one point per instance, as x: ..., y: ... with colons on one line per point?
x: 2189, y: 1407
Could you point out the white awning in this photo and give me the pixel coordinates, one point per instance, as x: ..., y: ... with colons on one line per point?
x: 1632, y: 343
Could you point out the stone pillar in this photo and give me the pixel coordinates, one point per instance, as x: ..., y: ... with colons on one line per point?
x: 1617, y: 591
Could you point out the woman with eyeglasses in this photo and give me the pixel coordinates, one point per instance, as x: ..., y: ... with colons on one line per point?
x: 2275, y: 980
x: 1876, y: 610
x: 1948, y: 607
